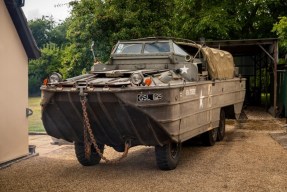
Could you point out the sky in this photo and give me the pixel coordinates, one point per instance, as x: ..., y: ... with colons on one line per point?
x: 34, y: 9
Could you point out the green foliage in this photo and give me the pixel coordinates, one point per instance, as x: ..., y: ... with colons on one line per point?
x: 51, y: 38
x: 281, y: 30
x: 46, y: 30
x: 210, y: 19
x: 41, y: 30
x: 58, y: 34
x: 80, y: 32
x: 256, y: 17
x: 226, y: 19
x: 76, y: 57
x: 39, y: 69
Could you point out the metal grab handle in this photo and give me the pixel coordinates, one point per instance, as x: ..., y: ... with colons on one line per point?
x: 29, y: 112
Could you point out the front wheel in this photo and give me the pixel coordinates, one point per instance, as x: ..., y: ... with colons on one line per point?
x: 167, y: 156
x: 80, y: 153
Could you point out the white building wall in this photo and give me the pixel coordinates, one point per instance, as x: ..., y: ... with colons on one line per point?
x: 13, y: 90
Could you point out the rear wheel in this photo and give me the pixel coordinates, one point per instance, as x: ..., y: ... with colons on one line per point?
x: 221, y: 128
x: 209, y: 137
x: 167, y: 156
x: 94, y: 158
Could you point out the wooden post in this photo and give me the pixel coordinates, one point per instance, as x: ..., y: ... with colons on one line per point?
x: 275, y: 56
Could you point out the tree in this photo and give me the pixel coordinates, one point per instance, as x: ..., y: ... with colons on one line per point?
x: 46, y: 30
x: 59, y: 32
x: 281, y: 30
x: 41, y: 30
x: 224, y: 19
x: 51, y: 38
x: 39, y: 69
x: 202, y: 18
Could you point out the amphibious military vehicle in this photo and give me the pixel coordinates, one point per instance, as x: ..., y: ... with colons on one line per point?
x: 154, y: 92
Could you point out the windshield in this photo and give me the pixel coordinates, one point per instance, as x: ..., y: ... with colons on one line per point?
x: 178, y: 50
x: 157, y: 47
x: 136, y: 48
x: 129, y: 48
x: 149, y: 47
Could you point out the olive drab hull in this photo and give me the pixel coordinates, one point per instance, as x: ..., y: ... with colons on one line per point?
x: 141, y: 115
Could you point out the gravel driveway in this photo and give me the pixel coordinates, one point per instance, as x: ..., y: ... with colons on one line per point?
x: 247, y: 160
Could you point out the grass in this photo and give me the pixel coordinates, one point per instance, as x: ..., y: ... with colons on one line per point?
x: 35, y: 122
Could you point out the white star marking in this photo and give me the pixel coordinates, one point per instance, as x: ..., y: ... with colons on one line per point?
x: 201, y: 97
x: 184, y: 69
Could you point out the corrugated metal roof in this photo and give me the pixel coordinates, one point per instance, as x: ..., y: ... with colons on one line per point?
x: 243, y: 46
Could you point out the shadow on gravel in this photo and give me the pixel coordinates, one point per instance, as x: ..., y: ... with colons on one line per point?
x: 235, y: 136
x: 230, y: 136
x: 281, y: 138
x: 260, y: 125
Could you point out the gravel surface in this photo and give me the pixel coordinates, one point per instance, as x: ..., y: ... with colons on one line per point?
x: 257, y: 113
x: 247, y: 160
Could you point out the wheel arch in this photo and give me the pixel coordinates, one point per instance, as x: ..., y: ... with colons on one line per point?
x: 229, y: 112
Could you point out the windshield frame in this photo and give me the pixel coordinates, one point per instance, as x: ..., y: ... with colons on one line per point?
x: 173, y: 46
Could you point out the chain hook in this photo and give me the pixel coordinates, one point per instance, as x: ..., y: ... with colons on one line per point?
x: 89, y: 138
x: 82, y: 93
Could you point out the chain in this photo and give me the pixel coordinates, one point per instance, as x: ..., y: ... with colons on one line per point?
x: 87, y: 144
x: 89, y: 138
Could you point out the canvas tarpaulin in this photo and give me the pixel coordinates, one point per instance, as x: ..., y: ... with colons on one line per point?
x: 220, y: 63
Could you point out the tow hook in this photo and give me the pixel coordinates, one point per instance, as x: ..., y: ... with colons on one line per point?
x: 128, y: 143
x: 82, y: 93
x: 82, y: 85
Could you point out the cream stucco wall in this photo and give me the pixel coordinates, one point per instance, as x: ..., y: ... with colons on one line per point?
x: 13, y: 91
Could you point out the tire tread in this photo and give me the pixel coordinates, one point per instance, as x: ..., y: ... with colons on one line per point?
x: 80, y: 154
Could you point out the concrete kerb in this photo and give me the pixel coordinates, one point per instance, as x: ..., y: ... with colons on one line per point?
x: 10, y: 163
x: 37, y: 133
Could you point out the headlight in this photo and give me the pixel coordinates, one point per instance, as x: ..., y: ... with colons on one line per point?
x: 136, y: 78
x: 55, y: 78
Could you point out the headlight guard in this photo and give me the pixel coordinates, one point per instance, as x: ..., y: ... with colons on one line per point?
x: 55, y: 78
x: 137, y: 78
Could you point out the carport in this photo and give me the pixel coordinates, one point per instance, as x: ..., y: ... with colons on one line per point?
x: 257, y: 60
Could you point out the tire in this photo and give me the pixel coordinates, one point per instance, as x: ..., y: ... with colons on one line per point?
x: 209, y: 137
x: 167, y: 156
x: 221, y: 128
x: 80, y: 154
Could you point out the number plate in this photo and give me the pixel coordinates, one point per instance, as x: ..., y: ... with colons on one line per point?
x: 150, y: 97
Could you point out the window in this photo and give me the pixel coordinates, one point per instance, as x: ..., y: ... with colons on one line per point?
x: 178, y: 50
x: 129, y: 48
x: 157, y: 47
